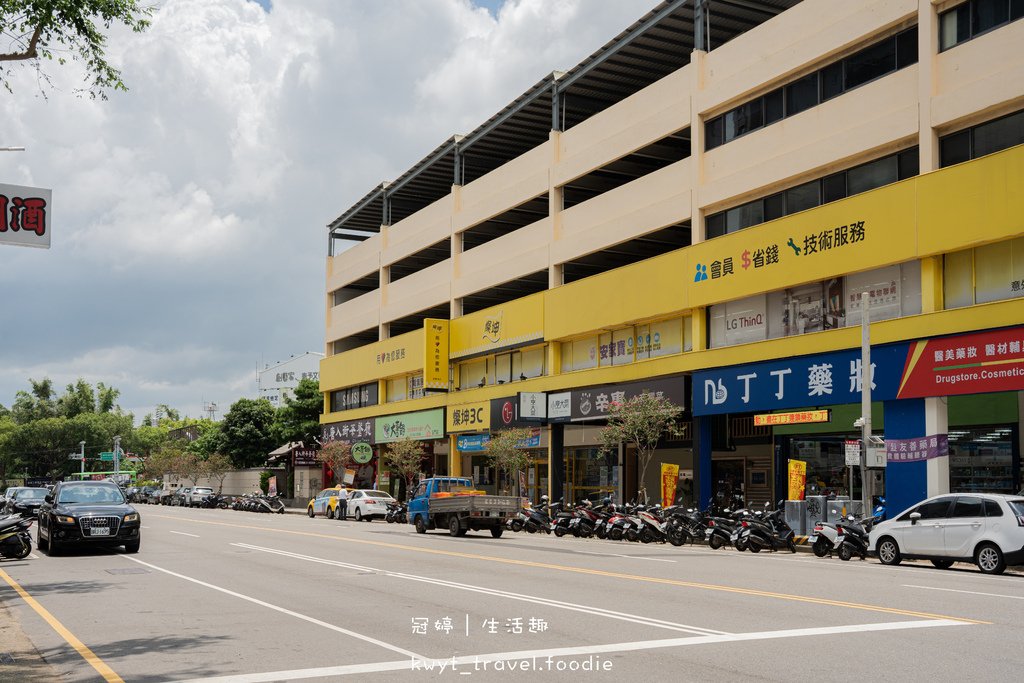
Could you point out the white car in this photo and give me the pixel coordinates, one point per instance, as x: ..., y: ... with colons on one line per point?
x: 365, y: 504
x: 986, y: 529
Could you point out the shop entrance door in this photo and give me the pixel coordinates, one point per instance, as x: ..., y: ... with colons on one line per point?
x: 727, y: 477
x: 589, y: 474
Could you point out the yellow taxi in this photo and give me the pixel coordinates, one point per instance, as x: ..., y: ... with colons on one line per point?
x: 324, y: 503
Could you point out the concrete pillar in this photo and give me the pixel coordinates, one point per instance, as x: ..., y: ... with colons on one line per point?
x: 907, y: 483
x: 697, y: 64
x: 931, y: 284
x: 927, y: 53
x: 454, y: 457
x: 702, y: 460
x: 556, y: 462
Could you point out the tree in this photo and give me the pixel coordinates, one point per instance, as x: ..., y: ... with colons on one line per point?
x: 335, y: 454
x: 217, y: 467
x: 505, y: 453
x: 106, y: 397
x: 166, y: 460
x: 67, y: 29
x: 78, y: 398
x: 299, y: 418
x: 405, y: 458
x: 640, y: 421
x: 37, y: 405
x: 245, y: 432
x: 191, y: 467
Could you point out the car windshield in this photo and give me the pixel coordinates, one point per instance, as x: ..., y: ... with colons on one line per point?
x: 30, y: 494
x: 91, y: 495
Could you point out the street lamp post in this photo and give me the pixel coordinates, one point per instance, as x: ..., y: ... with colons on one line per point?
x: 117, y: 456
x: 865, y: 400
x: 81, y: 461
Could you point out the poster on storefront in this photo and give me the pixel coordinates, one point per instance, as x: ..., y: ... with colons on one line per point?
x: 272, y: 486
x: 350, y: 476
x: 852, y: 453
x: 522, y: 483
x: 797, y: 479
x: 669, y: 479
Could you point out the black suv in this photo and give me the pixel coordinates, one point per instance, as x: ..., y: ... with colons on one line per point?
x: 25, y: 501
x: 87, y: 512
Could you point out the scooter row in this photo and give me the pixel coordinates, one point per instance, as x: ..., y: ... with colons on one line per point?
x: 15, y: 540
x: 847, y: 537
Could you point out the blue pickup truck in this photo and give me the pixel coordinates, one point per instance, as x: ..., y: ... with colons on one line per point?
x: 436, y: 505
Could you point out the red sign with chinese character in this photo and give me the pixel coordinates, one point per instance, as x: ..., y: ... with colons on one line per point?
x: 24, y: 216
x: 965, y: 364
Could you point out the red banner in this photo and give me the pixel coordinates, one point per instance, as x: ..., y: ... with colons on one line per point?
x: 965, y: 364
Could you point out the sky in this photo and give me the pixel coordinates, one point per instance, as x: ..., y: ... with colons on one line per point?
x: 189, y: 214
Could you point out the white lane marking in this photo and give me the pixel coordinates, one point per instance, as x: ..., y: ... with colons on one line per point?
x: 631, y: 557
x: 282, y: 610
x: 559, y: 604
x: 953, y: 590
x: 182, y: 533
x: 33, y: 556
x: 540, y: 657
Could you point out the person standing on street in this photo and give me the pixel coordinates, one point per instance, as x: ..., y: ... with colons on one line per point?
x: 343, y: 504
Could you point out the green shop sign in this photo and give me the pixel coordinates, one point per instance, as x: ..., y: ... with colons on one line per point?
x: 420, y: 426
x: 362, y: 452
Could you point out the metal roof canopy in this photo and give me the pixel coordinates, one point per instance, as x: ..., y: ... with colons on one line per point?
x: 657, y: 44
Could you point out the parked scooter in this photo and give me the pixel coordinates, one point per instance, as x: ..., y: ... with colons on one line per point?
x: 15, y: 541
x: 853, y: 537
x: 769, y: 532
x: 396, y: 513
x: 825, y: 537
x: 560, y: 519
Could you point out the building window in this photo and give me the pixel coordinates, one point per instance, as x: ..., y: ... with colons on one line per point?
x: 809, y: 195
x: 994, y: 272
x: 628, y: 344
x: 874, y: 61
x: 893, y: 292
x: 354, y: 397
x: 974, y: 18
x: 985, y: 138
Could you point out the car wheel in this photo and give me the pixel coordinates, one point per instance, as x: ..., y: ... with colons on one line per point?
x: 41, y: 542
x: 133, y: 546
x: 421, y: 527
x: 943, y: 564
x: 330, y: 513
x: 53, y: 550
x: 359, y: 515
x: 889, y: 552
x: 990, y: 560
x: 497, y: 531
x: 309, y: 511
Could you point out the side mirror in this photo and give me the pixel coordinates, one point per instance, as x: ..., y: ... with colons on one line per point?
x: 914, y: 516
x: 48, y: 497
x: 766, y: 505
x: 849, y: 518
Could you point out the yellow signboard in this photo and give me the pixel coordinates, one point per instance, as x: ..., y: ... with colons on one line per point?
x: 797, y: 479
x: 510, y: 324
x: 435, y: 354
x: 468, y: 417
x: 399, y: 355
x: 798, y: 417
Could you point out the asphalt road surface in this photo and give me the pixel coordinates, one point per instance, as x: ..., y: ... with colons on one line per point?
x: 227, y: 596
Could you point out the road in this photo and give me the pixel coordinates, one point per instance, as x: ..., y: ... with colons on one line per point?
x: 239, y: 597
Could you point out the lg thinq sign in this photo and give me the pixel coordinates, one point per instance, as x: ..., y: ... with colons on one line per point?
x: 25, y: 216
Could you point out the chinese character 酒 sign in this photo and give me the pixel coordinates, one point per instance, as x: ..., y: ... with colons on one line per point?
x: 25, y: 216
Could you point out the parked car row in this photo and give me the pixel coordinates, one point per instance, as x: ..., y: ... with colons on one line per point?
x: 187, y: 496
x: 362, y: 504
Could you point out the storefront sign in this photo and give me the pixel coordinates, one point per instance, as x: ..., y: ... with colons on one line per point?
x: 435, y: 354
x: 420, y: 426
x: 798, y: 417
x: 669, y: 479
x: 349, y: 430
x: 469, y: 417
x: 852, y: 453
x: 354, y: 397
x: 797, y: 479
x: 505, y: 414
x: 477, y: 443
x: 533, y: 405
x: 592, y: 403
x: 965, y: 364
x: 25, y: 216
x: 916, y: 450
x: 304, y: 457
x: 512, y: 324
x: 560, y: 406
x: 362, y: 452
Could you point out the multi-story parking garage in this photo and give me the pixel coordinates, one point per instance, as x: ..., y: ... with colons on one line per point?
x: 702, y: 208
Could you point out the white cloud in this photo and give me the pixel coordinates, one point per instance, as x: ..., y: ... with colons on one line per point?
x: 189, y: 213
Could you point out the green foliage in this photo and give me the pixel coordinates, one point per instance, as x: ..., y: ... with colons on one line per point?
x: 64, y: 30
x: 210, y: 439
x: 299, y: 418
x: 405, y: 458
x: 505, y: 455
x: 78, y: 398
x: 641, y: 422
x: 246, y: 432
x: 37, y: 405
x: 265, y: 476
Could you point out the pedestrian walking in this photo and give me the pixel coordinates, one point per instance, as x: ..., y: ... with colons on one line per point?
x: 343, y: 504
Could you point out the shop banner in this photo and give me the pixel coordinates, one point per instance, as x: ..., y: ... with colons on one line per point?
x: 522, y: 484
x: 797, y: 479
x: 435, y: 354
x: 965, y: 364
x: 560, y: 406
x: 349, y: 430
x: 362, y: 452
x: 592, y: 403
x: 272, y: 486
x: 916, y: 450
x: 505, y: 414
x: 533, y: 405
x: 304, y: 457
x: 424, y: 425
x: 669, y: 479
x: 25, y: 216
x: 469, y: 417
x: 514, y: 323
x: 477, y: 443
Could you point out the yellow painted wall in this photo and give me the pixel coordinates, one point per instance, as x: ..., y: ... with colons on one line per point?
x: 518, y: 321
x: 370, y: 362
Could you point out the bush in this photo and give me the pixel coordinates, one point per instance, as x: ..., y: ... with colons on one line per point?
x: 265, y: 476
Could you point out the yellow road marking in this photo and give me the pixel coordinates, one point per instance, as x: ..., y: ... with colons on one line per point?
x: 88, y: 655
x: 597, y: 572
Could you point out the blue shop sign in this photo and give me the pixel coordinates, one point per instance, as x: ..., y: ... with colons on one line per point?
x: 477, y: 443
x: 819, y: 380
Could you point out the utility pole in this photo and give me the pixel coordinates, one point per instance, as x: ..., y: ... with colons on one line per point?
x: 865, y: 401
x: 117, y: 456
x: 81, y: 451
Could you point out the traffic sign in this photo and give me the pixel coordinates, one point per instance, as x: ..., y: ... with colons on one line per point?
x: 107, y: 455
x: 75, y: 456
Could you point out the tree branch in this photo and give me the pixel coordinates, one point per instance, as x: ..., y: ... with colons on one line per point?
x: 31, y: 51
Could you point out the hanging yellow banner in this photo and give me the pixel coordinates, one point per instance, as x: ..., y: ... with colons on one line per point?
x: 435, y: 354
x: 669, y: 478
x: 797, y: 479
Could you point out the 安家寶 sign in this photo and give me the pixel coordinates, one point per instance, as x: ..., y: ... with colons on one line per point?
x: 798, y: 417
x: 25, y: 216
